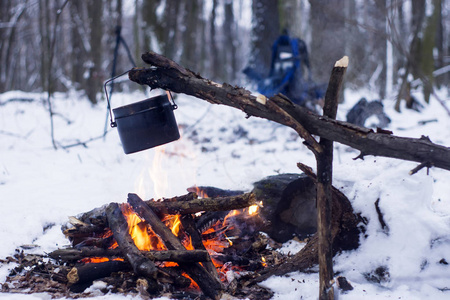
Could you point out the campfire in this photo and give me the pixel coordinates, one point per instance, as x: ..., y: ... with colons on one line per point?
x: 206, y: 243
x: 189, y: 245
x: 173, y: 244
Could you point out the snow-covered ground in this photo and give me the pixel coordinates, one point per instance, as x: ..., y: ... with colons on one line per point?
x: 40, y: 187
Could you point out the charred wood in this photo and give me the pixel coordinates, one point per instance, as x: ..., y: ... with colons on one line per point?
x: 344, y: 236
x: 80, y: 242
x: 140, y: 264
x: 173, y: 276
x: 213, y: 192
x: 240, y: 261
x: 72, y: 254
x: 189, y: 226
x: 289, y: 206
x: 84, y: 231
x: 210, y: 286
x: 89, y: 272
x: 163, y: 255
x: 186, y: 204
x: 203, y: 204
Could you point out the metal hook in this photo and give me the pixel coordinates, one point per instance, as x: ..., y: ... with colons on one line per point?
x: 174, y: 105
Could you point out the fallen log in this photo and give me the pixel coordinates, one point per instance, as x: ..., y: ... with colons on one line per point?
x: 210, y: 285
x: 72, y: 254
x: 80, y: 277
x: 89, y: 272
x: 202, y: 204
x: 84, y: 231
x: 344, y: 236
x: 168, y: 75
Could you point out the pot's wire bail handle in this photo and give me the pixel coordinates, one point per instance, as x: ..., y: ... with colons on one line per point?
x: 113, y: 122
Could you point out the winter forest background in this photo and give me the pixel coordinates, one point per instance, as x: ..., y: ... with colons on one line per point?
x: 59, y: 45
x: 60, y: 52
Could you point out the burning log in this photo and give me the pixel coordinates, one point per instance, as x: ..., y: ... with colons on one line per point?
x: 189, y: 226
x: 210, y: 285
x: 186, y: 204
x: 119, y: 226
x: 163, y: 255
x: 203, y: 204
x: 84, y: 231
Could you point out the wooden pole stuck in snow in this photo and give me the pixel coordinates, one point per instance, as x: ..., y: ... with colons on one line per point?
x: 324, y: 185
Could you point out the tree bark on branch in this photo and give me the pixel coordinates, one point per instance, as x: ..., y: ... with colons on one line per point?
x: 168, y: 75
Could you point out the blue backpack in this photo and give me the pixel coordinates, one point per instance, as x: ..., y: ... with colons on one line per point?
x: 286, y: 74
x: 285, y: 61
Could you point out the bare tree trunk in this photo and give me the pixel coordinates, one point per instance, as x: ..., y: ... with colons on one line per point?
x: 171, y: 28
x: 214, y: 50
x: 229, y: 43
x: 265, y: 29
x: 152, y: 27
x: 44, y: 30
x: 379, y: 46
x: 95, y: 12
x: 413, y: 53
x: 192, y: 21
x: 428, y: 46
x: 328, y: 32
x: 78, y: 50
x: 439, y: 40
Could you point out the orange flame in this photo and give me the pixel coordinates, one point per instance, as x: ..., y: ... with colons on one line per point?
x: 264, y: 263
x: 200, y: 193
x: 99, y: 259
x: 176, y: 225
x: 252, y: 210
x: 137, y: 228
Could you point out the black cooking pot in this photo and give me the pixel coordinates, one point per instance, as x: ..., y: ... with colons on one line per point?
x: 146, y: 124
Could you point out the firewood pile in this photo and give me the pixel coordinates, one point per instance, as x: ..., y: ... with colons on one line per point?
x: 183, y: 247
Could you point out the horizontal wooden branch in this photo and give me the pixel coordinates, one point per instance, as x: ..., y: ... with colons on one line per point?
x: 166, y: 74
x: 185, y: 204
x: 203, y: 204
x: 91, y: 272
x: 73, y: 254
